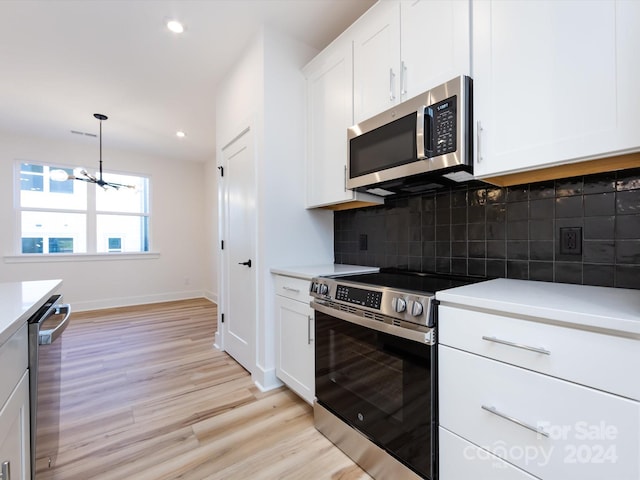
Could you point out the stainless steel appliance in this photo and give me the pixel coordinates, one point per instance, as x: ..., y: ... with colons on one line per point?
x: 418, y: 145
x: 45, y: 355
x: 376, y: 366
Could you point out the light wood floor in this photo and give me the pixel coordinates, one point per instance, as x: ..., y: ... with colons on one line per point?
x: 145, y: 396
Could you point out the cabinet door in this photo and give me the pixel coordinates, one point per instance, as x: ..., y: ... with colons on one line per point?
x: 376, y: 60
x: 554, y: 82
x: 462, y: 460
x: 14, y: 431
x: 435, y: 40
x: 295, y: 360
x: 329, y: 114
x: 553, y: 429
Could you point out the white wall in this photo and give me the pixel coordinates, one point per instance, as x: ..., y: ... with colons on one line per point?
x: 266, y: 90
x: 212, y: 238
x: 179, y: 228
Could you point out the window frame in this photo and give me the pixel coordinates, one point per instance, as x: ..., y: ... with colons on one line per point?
x: 90, y: 211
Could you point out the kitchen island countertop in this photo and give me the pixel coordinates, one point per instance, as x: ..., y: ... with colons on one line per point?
x: 20, y: 300
x: 307, y: 272
x: 580, y: 306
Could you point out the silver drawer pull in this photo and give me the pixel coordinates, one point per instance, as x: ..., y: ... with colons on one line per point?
x: 295, y: 290
x: 517, y: 345
x: 515, y: 420
x: 5, y: 473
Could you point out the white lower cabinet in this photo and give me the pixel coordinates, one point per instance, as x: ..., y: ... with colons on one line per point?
x: 295, y: 349
x: 551, y: 428
x: 462, y: 460
x: 14, y: 409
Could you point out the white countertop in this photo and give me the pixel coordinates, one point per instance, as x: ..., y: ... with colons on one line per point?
x: 307, y: 272
x: 20, y: 300
x: 615, y: 309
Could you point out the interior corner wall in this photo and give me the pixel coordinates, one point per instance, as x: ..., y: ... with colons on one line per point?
x: 295, y: 235
x: 212, y: 238
x: 266, y: 90
x: 177, y: 227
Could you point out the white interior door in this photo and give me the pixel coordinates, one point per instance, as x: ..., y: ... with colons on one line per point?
x: 239, y: 328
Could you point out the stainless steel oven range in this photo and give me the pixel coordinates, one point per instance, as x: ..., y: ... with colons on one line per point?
x: 376, y: 365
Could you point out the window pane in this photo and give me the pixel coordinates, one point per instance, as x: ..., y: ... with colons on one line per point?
x: 66, y: 195
x: 30, y: 167
x: 61, y: 245
x: 31, y: 183
x: 62, y: 187
x: 131, y: 230
x: 54, y: 225
x: 115, y: 244
x: 32, y: 245
x: 125, y: 200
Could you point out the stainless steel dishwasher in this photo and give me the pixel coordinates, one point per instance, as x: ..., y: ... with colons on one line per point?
x: 45, y: 356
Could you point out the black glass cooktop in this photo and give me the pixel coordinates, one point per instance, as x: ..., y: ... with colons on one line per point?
x: 412, y: 281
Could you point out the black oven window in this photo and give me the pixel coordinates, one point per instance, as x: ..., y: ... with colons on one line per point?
x: 368, y: 372
x: 380, y: 384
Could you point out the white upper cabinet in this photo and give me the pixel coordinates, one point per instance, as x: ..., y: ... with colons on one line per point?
x: 329, y: 114
x: 376, y: 60
x: 435, y: 41
x: 554, y: 82
x: 402, y: 48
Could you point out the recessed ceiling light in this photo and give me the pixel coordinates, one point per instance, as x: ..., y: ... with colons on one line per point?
x: 175, y: 26
x: 180, y: 134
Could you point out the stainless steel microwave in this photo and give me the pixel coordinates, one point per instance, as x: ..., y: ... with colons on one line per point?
x: 418, y: 145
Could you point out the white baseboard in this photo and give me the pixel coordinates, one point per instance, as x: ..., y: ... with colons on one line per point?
x: 266, y: 380
x: 211, y: 296
x: 81, y: 306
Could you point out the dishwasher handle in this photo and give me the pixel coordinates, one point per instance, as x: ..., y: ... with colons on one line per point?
x: 47, y: 337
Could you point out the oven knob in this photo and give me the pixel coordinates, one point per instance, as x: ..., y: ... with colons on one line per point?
x: 399, y: 304
x: 416, y: 309
x: 323, y: 289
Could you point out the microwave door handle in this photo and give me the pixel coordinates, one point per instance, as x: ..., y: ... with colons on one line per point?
x: 424, y: 133
x: 420, y: 133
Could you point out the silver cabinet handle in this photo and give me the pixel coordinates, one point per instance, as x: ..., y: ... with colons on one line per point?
x: 392, y: 77
x: 515, y: 420
x: 295, y: 290
x: 403, y: 79
x: 5, y: 472
x: 46, y: 337
x: 517, y: 345
x: 345, y: 178
x: 309, y: 320
x: 479, y: 136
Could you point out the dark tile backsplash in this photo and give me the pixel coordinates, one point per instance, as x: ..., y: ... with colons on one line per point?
x: 511, y: 232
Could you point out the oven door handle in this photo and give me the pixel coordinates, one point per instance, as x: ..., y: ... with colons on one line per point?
x: 47, y: 337
x: 427, y: 338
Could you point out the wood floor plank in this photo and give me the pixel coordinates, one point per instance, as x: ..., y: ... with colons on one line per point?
x: 146, y: 396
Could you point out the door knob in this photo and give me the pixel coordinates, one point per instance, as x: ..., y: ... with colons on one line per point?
x: 247, y: 263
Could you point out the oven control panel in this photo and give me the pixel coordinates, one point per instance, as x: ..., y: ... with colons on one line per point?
x: 359, y: 296
x: 403, y: 306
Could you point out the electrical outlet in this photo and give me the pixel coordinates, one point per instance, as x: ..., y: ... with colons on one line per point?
x: 571, y: 240
x: 363, y: 241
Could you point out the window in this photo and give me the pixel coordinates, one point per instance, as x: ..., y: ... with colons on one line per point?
x: 78, y: 217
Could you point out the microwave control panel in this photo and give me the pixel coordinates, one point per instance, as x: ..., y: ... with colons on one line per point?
x: 444, y: 126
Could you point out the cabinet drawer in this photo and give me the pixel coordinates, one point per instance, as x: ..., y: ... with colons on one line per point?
x: 586, y: 433
x: 14, y: 359
x: 294, y: 288
x: 462, y: 460
x: 594, y: 359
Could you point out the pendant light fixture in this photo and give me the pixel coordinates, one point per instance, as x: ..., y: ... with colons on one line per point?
x: 83, y: 175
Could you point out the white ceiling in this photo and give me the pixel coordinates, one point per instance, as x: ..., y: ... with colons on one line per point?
x: 61, y: 61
